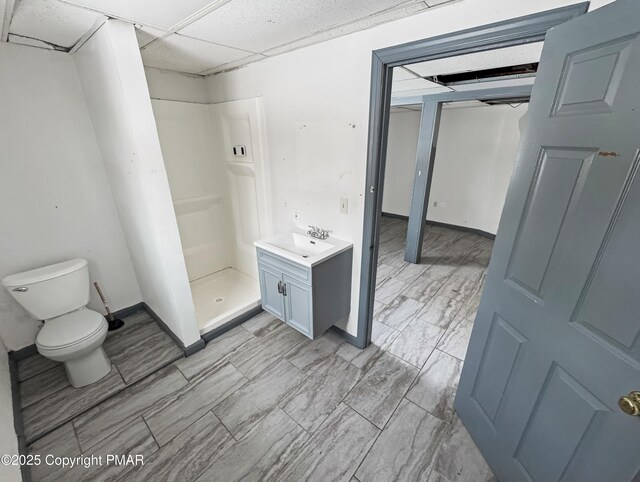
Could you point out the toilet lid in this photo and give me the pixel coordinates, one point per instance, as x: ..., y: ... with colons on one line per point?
x: 70, y: 329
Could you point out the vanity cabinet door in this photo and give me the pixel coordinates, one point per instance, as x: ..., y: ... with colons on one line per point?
x: 298, y: 303
x: 272, y: 299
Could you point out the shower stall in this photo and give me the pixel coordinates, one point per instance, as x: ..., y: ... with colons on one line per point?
x: 215, y: 159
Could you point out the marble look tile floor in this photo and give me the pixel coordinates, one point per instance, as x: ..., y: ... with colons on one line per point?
x: 48, y: 401
x: 263, y: 403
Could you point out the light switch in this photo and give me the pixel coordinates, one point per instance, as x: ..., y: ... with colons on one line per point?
x: 344, y: 205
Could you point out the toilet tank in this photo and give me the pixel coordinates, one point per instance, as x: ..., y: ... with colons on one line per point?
x: 52, y: 290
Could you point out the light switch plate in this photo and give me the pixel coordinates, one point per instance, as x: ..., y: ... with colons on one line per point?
x: 344, y: 205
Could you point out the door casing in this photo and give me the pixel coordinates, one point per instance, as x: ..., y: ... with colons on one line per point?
x: 507, y: 33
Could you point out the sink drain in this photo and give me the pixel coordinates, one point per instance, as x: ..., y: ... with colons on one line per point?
x: 219, y: 299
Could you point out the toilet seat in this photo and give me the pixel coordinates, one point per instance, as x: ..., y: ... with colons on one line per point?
x: 71, y: 329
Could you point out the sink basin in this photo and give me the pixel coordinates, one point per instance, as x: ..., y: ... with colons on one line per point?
x: 299, y: 247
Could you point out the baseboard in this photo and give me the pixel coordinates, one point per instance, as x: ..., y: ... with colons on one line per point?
x: 129, y: 310
x: 22, y: 353
x: 347, y: 336
x: 188, y: 350
x: 395, y: 216
x: 17, y: 412
x: 229, y: 325
x: 194, y: 347
x: 465, y: 229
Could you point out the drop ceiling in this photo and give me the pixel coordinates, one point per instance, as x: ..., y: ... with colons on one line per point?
x: 408, y: 80
x: 201, y: 36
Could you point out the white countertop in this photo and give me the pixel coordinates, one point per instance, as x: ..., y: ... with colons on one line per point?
x: 284, y: 246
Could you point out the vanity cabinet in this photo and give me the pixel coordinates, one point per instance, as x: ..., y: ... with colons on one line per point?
x: 310, y: 299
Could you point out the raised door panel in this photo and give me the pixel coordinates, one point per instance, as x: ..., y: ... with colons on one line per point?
x: 298, y: 301
x: 564, y: 415
x: 272, y: 299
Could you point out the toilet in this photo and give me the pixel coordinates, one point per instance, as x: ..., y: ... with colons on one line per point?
x: 72, y: 333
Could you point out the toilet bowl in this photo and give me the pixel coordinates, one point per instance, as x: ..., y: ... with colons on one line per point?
x: 75, y: 339
x: 71, y: 334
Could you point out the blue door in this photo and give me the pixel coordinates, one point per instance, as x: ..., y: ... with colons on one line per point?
x: 547, y: 386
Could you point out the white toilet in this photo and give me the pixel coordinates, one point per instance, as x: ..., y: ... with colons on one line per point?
x: 72, y: 333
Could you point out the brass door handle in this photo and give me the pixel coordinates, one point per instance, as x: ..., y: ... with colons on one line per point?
x: 630, y: 404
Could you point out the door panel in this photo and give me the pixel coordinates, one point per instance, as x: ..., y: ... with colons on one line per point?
x: 298, y: 305
x: 555, y: 342
x: 554, y: 187
x: 499, y: 358
x: 611, y: 298
x: 591, y: 79
x: 571, y: 410
x: 272, y: 300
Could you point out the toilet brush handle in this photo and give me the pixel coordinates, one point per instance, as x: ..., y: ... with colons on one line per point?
x: 104, y: 301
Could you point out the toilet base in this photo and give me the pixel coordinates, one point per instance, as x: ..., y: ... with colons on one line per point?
x: 88, y: 369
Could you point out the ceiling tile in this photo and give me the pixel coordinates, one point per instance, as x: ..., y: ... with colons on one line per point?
x: 146, y: 35
x: 52, y: 21
x: 420, y: 92
x: 29, y: 42
x: 413, y: 84
x: 184, y: 54
x: 162, y: 14
x: 259, y: 25
x: 435, y: 3
x: 521, y: 54
x: 355, y: 26
x: 400, y: 73
x: 494, y: 84
x: 236, y: 63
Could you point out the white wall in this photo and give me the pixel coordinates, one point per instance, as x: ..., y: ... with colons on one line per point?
x: 8, y: 437
x: 114, y: 85
x: 475, y: 155
x: 55, y: 199
x: 402, y: 143
x: 476, y: 151
x: 168, y: 85
x: 317, y: 106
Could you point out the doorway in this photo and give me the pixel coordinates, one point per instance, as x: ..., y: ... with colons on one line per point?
x: 510, y: 33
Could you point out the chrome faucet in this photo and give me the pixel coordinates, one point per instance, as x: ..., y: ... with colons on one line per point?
x: 318, y: 233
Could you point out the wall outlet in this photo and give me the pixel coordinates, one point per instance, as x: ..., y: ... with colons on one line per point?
x: 297, y: 215
x: 438, y: 204
x: 344, y: 205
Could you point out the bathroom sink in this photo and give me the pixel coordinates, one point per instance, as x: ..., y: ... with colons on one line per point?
x: 302, y: 245
x: 299, y: 247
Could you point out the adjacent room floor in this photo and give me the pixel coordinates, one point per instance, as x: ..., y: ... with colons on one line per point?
x: 262, y: 402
